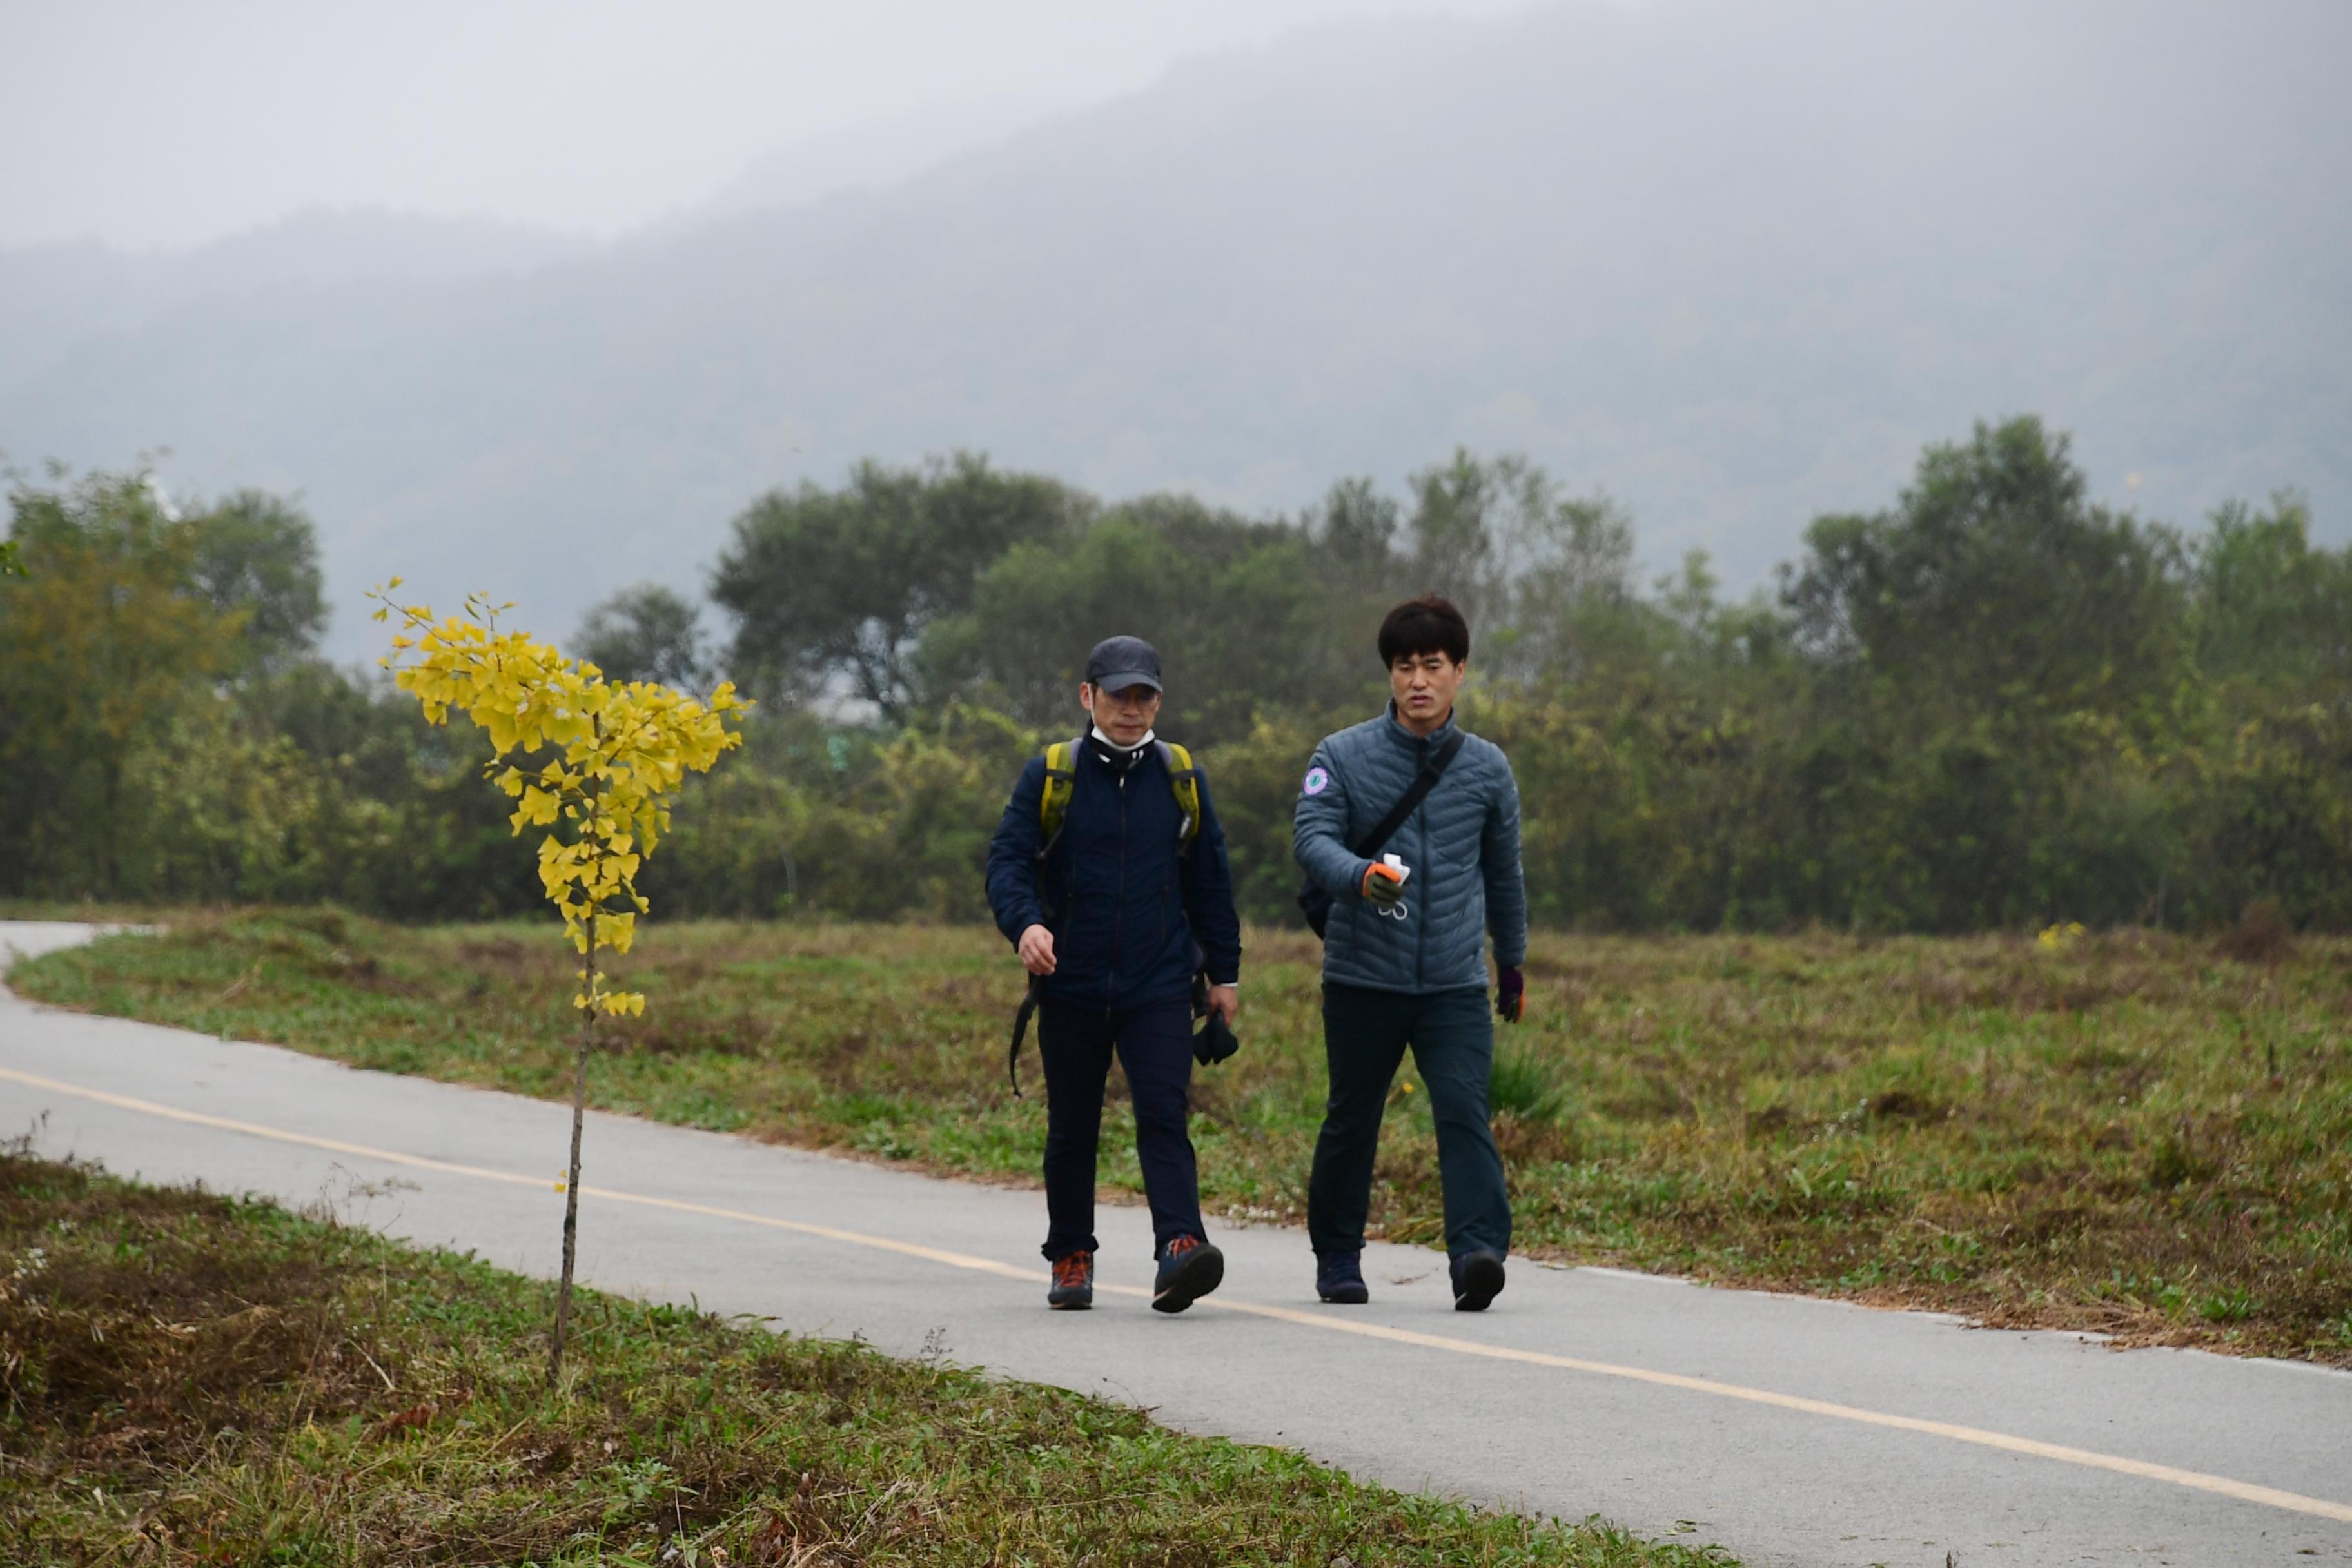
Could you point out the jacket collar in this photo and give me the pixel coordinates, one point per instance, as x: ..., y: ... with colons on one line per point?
x: 1117, y: 758
x: 1404, y: 737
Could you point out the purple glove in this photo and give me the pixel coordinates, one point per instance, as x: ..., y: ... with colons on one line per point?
x: 1510, y: 992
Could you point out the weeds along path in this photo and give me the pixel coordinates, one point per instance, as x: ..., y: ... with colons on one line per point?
x: 1785, y: 1430
x: 2134, y: 1132
x: 197, y: 1379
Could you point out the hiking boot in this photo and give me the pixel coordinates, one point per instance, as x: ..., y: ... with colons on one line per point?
x: 1339, y: 1279
x: 1074, y: 1283
x: 1477, y: 1279
x: 1189, y: 1270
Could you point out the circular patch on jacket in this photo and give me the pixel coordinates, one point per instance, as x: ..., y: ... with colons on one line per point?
x: 1317, y: 781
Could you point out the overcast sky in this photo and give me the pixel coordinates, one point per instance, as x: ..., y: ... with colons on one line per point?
x: 149, y: 122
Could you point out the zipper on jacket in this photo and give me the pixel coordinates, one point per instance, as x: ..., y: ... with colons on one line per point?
x: 1119, y: 906
x: 1421, y: 926
x: 1172, y: 889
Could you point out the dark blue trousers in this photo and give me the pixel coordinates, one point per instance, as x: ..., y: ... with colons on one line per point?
x: 1365, y: 1033
x: 1155, y: 1047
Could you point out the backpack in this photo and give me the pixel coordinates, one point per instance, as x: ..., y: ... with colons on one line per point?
x: 1062, y: 781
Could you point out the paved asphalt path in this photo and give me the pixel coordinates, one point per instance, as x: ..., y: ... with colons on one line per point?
x: 1791, y: 1431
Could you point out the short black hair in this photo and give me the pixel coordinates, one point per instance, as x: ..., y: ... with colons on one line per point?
x: 1427, y: 625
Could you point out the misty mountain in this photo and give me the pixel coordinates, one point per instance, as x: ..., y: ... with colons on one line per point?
x: 53, y: 297
x: 880, y: 153
x: 1734, y: 263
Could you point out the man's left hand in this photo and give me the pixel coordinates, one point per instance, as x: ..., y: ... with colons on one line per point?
x: 1225, y: 1001
x: 1510, y: 994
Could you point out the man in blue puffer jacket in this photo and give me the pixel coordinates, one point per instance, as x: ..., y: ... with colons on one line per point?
x: 1402, y: 957
x: 1107, y: 923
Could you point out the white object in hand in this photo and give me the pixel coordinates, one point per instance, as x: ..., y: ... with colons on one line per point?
x: 1402, y: 870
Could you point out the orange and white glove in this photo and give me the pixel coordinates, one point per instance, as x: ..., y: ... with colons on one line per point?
x: 1383, y: 885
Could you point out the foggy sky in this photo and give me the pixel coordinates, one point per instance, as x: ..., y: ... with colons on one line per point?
x: 146, y: 122
x: 1733, y: 262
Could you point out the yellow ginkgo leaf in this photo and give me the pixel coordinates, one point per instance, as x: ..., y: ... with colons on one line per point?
x: 619, y: 748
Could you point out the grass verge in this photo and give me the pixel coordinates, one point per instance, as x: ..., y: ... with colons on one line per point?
x: 195, y: 1380
x: 2136, y: 1133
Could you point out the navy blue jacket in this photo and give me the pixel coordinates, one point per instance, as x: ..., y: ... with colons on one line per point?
x: 1128, y: 900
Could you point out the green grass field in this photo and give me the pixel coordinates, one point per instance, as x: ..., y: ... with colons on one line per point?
x: 192, y: 1380
x: 2136, y: 1133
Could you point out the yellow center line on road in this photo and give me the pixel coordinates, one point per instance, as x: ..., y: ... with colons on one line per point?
x: 2244, y: 1492
x: 516, y: 1178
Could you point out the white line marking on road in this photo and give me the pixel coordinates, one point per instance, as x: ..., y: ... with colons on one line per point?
x: 2244, y: 1492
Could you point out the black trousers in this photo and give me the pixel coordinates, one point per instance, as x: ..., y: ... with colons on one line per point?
x: 1365, y: 1033
x: 1155, y: 1047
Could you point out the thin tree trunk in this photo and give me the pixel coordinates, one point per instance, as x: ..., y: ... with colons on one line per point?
x: 572, y: 1181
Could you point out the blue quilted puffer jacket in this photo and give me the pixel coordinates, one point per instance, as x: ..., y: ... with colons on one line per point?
x: 1463, y: 844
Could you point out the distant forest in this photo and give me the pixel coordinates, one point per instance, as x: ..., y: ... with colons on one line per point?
x: 1992, y: 704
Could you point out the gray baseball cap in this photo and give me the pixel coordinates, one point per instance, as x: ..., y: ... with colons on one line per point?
x: 1118, y: 663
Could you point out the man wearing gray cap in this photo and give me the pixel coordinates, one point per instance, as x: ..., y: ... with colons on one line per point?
x: 1108, y: 874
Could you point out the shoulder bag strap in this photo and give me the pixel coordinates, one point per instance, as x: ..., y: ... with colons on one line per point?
x: 1423, y: 782
x: 1054, y: 799
x: 1185, y: 780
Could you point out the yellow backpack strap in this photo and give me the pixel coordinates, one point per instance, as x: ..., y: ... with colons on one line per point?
x: 1184, y: 778
x: 1053, y: 800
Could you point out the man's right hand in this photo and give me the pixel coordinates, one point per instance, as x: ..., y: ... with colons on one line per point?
x: 1383, y: 884
x: 1037, y: 951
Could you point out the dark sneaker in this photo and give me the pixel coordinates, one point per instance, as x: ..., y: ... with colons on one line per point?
x: 1189, y: 1270
x: 1340, y: 1278
x: 1074, y: 1283
x: 1477, y: 1279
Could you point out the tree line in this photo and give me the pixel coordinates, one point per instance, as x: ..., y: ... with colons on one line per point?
x: 1991, y: 704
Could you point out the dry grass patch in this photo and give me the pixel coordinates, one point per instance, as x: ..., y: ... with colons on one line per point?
x: 193, y: 1381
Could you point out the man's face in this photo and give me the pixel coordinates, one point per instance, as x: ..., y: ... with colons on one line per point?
x: 1424, y: 685
x: 1124, y: 716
